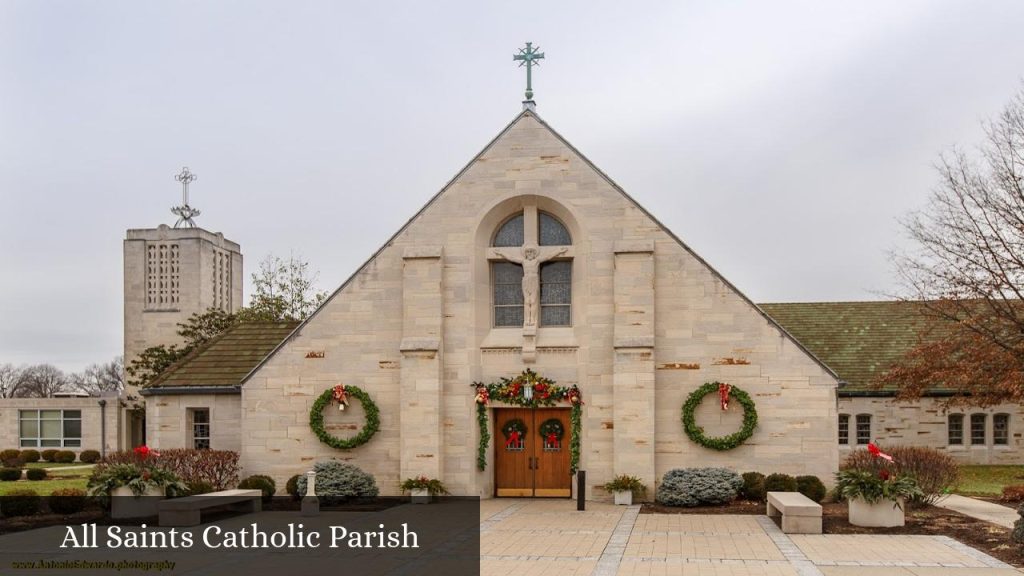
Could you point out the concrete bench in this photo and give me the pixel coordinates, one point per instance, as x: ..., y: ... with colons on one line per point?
x: 186, y: 511
x: 800, y: 514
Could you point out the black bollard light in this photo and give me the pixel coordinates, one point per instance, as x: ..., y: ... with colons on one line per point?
x: 581, y: 490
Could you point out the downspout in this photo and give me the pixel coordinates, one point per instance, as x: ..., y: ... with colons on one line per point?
x: 103, y: 427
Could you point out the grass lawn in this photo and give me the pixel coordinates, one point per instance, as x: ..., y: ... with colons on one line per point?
x: 42, y: 464
x: 988, y: 480
x: 43, y: 487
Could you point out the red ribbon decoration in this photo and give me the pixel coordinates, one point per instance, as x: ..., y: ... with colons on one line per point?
x: 552, y: 439
x: 723, y: 395
x: 513, y: 439
x: 877, y: 453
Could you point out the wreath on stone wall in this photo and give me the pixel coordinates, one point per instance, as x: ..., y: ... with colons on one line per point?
x: 316, y: 418
x: 696, y: 433
x: 544, y: 392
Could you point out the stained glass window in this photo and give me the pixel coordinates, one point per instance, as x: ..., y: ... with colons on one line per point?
x: 511, y: 233
x: 552, y: 232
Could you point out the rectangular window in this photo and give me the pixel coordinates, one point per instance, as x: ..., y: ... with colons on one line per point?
x: 1001, y: 429
x: 844, y: 429
x: 200, y: 422
x: 978, y: 429
x: 863, y: 428
x: 556, y: 294
x: 508, y: 294
x: 50, y: 428
x: 955, y: 429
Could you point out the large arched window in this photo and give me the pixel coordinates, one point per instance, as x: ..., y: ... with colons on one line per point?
x: 543, y: 295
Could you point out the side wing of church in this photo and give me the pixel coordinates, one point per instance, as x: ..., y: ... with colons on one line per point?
x: 531, y: 258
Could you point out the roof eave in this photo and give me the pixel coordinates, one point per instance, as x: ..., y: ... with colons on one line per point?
x: 182, y: 390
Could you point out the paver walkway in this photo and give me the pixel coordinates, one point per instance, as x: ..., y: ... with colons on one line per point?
x: 980, y: 509
x: 549, y: 537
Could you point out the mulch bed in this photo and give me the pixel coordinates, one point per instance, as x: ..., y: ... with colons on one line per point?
x: 927, y: 520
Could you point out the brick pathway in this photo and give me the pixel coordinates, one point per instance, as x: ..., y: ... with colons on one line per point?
x: 549, y: 537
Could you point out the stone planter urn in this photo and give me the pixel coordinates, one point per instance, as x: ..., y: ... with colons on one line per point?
x: 125, y: 504
x: 881, y: 514
x: 623, y: 497
x: 420, y: 496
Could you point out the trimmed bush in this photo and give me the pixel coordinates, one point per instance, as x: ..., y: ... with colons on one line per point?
x: 338, y: 481
x: 260, y: 482
x: 67, y: 500
x: 10, y: 474
x: 89, y: 456
x: 20, y: 503
x: 812, y: 487
x: 65, y: 457
x: 29, y: 455
x: 49, y: 455
x: 934, y: 471
x: 15, y: 462
x: 218, y: 467
x: 9, y: 454
x: 36, y: 474
x: 779, y: 483
x: 200, y: 487
x: 753, y: 486
x: 695, y: 486
x: 292, y: 486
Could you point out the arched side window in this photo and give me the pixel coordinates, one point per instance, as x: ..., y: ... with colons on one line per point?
x: 844, y: 429
x: 955, y: 430
x: 1001, y: 429
x: 543, y: 235
x: 863, y: 428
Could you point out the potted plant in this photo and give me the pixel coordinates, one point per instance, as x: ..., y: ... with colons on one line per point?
x: 135, y: 488
x: 423, y: 488
x: 624, y: 487
x: 877, y: 499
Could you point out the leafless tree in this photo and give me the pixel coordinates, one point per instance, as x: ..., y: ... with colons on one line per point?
x: 12, y: 378
x: 966, y: 270
x: 99, y: 378
x: 43, y: 381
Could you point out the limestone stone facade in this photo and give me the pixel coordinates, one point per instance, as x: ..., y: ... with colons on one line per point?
x: 926, y: 423
x: 94, y: 436
x: 650, y: 322
x: 170, y: 274
x: 169, y: 420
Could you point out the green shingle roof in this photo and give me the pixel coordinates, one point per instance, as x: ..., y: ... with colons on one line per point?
x: 858, y: 340
x: 225, y: 360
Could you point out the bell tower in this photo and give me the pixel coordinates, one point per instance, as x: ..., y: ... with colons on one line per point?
x: 172, y: 273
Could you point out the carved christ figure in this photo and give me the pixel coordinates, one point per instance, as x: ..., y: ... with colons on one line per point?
x: 531, y: 257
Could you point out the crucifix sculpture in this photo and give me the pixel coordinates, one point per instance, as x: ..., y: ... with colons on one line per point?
x: 528, y: 57
x: 185, y: 213
x: 531, y: 257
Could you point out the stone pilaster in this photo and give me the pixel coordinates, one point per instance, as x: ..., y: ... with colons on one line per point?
x: 421, y: 371
x: 633, y: 370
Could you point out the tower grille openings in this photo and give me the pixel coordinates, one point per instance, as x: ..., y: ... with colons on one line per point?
x: 222, y: 280
x: 162, y: 276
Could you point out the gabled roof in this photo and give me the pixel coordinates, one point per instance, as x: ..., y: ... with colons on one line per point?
x: 528, y: 112
x: 859, y: 340
x: 223, y: 362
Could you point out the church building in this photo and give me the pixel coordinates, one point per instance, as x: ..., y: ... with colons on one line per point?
x: 530, y: 259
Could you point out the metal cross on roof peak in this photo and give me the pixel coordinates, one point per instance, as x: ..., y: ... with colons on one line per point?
x: 185, y: 213
x: 528, y: 57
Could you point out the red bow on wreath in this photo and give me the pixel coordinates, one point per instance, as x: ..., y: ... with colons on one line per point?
x: 513, y: 439
x: 723, y: 395
x: 340, y: 396
x: 552, y: 439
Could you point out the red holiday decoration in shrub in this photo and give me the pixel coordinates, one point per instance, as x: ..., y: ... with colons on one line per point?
x: 877, y: 453
x: 145, y: 452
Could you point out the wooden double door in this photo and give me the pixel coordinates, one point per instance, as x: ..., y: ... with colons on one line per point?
x: 530, y: 463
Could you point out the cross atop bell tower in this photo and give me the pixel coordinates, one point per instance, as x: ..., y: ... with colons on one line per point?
x: 529, y: 57
x: 185, y: 212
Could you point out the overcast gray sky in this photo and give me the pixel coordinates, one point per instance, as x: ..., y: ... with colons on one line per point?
x: 780, y: 140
